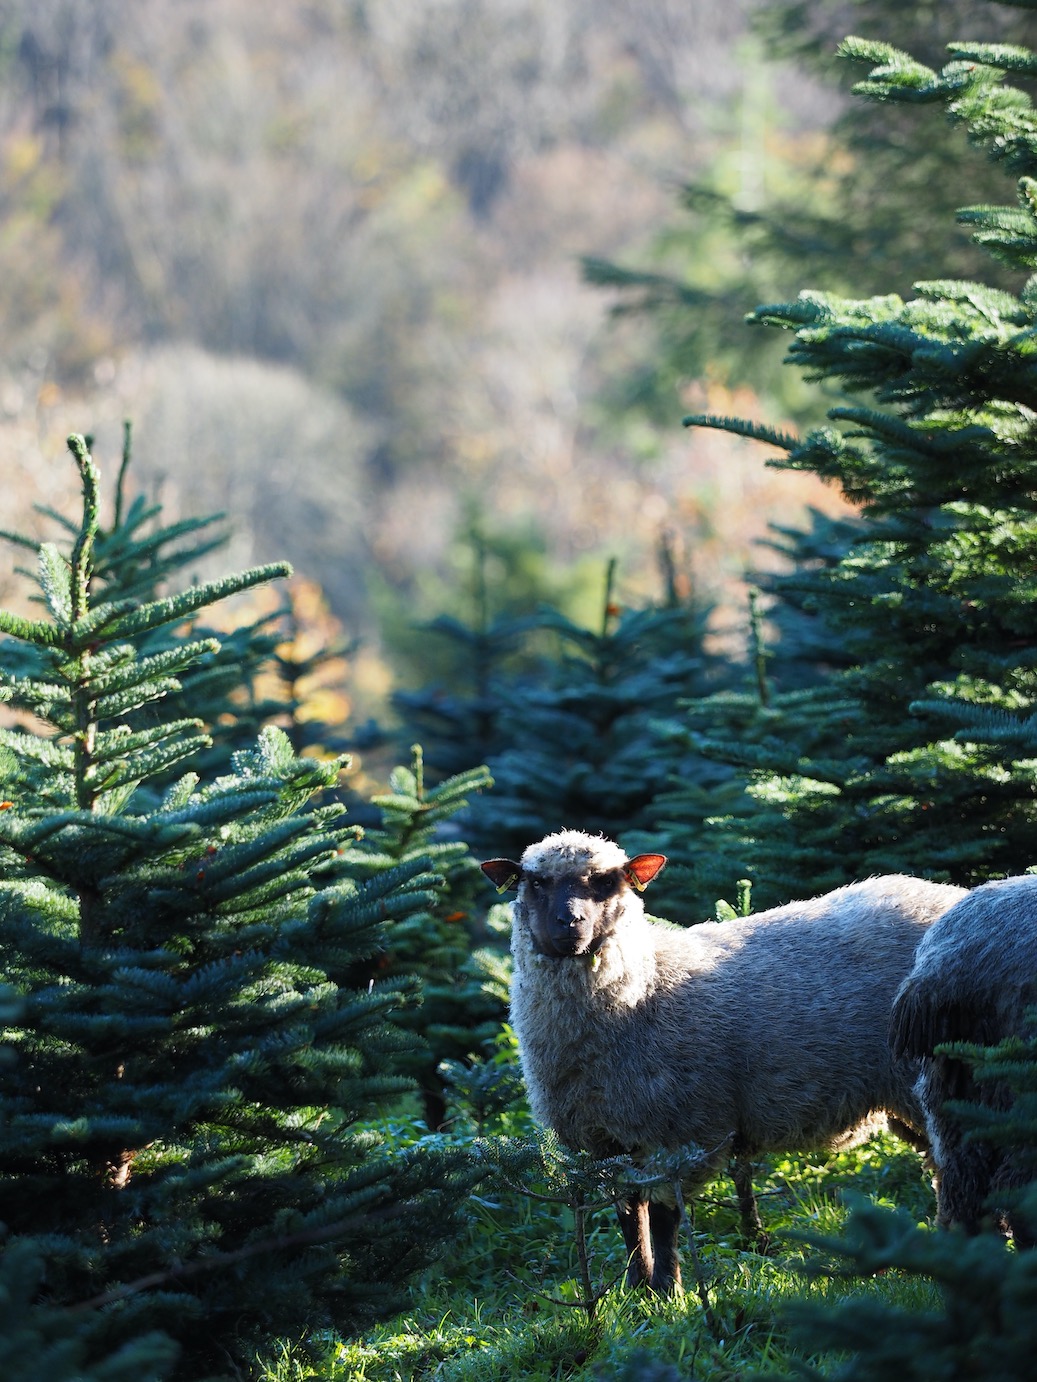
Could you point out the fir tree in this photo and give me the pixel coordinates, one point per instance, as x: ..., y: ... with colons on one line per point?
x: 473, y: 656
x: 460, y: 721
x: 42, y: 1341
x: 981, y: 1326
x: 178, y: 1128
x: 578, y: 743
x: 837, y: 208
x: 919, y: 755
x: 464, y: 983
x: 564, y: 716
x: 138, y: 557
x: 981, y: 1323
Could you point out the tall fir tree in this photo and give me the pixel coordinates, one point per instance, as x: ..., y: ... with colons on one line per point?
x: 918, y: 754
x: 179, y: 1149
x: 140, y: 557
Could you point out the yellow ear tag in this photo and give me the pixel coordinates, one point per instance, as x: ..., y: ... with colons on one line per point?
x: 509, y: 884
x: 635, y: 882
x: 595, y: 960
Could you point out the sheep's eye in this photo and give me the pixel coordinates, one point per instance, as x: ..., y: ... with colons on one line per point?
x: 601, y: 886
x: 535, y: 883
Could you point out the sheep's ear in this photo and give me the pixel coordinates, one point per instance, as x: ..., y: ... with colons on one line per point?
x: 502, y: 873
x: 642, y: 870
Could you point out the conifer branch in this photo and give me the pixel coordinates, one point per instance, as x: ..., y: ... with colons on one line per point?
x: 82, y: 551
x: 34, y: 631
x: 304, y: 1238
x: 743, y: 427
x: 120, y: 483
x: 177, y: 607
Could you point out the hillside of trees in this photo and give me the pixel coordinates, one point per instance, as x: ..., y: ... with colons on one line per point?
x: 328, y: 259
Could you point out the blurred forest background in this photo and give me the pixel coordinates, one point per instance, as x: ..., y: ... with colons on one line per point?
x: 355, y: 272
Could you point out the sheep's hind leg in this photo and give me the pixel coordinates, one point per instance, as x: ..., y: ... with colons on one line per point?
x: 752, y: 1225
x: 634, y: 1222
x: 914, y: 1137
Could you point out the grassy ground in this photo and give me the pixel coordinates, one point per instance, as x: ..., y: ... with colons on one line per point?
x: 501, y: 1305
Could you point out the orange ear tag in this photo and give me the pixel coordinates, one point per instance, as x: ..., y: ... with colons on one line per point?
x: 640, y: 871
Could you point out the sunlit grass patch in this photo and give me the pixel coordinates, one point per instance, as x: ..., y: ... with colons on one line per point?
x: 493, y: 1307
x: 506, y: 1299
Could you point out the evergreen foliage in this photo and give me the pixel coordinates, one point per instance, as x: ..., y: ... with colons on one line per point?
x: 918, y: 755
x: 577, y: 741
x: 564, y: 715
x: 981, y: 1323
x: 487, y: 636
x: 459, y: 720
x: 137, y: 559
x: 839, y: 212
x: 44, y: 1341
x: 179, y: 1145
x: 464, y: 986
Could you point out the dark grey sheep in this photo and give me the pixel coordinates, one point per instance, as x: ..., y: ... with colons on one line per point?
x: 974, y: 977
x: 764, y: 1034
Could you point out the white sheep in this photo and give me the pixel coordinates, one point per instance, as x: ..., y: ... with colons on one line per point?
x: 973, y: 980
x: 764, y: 1034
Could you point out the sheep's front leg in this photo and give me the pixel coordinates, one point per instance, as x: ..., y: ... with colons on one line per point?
x: 634, y: 1222
x: 665, y: 1222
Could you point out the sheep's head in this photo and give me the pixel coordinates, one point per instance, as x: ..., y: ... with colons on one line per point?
x: 572, y: 889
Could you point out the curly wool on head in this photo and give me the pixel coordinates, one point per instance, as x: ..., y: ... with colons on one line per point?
x: 569, y: 850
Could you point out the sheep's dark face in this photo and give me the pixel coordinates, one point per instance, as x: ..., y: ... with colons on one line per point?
x: 568, y: 906
x: 572, y: 914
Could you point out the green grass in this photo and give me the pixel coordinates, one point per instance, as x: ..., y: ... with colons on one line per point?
x: 502, y: 1304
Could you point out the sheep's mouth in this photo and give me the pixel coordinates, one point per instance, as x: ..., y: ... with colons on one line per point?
x: 568, y: 948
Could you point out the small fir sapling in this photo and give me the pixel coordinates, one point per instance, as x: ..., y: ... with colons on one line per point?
x: 178, y: 1138
x: 456, y: 715
x: 580, y: 747
x: 488, y: 1092
x: 564, y: 715
x: 464, y: 993
x: 537, y: 1167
